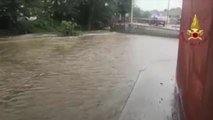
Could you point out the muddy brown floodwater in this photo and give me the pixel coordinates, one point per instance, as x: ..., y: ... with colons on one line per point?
x: 83, y: 78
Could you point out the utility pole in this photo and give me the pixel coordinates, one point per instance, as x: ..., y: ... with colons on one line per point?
x: 132, y: 6
x: 168, y: 11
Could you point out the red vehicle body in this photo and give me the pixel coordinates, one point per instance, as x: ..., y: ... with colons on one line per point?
x: 195, y: 62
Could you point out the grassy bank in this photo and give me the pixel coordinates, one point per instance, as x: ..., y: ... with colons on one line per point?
x: 42, y: 25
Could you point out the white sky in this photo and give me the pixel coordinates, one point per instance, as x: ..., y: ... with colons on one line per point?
x: 157, y: 4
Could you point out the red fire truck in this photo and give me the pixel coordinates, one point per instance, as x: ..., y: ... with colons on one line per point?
x: 195, y: 60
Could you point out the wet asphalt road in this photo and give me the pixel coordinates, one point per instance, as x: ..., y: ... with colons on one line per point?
x: 83, y: 78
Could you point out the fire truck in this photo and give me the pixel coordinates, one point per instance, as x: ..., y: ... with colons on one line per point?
x: 195, y: 60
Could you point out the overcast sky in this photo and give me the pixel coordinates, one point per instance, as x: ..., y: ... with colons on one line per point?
x: 157, y: 4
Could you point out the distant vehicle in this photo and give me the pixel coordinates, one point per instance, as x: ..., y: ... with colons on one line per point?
x: 178, y: 21
x: 156, y: 21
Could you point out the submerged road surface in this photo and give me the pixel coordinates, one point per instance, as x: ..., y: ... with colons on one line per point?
x: 94, y: 77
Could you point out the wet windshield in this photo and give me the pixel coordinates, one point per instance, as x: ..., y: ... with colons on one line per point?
x: 88, y: 59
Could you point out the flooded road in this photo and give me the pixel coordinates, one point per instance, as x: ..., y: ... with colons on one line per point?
x: 82, y: 78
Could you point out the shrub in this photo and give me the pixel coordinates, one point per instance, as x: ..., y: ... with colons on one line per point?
x: 45, y: 24
x: 37, y: 26
x: 98, y: 25
x: 69, y: 28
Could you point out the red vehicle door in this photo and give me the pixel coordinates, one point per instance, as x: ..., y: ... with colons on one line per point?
x: 195, y: 60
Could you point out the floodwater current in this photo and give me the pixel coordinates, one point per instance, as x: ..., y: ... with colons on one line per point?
x: 81, y: 78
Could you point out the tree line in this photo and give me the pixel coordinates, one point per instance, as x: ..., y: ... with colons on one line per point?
x: 49, y: 14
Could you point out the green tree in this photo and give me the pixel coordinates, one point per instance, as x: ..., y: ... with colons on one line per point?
x: 137, y: 12
x: 88, y: 13
x: 11, y: 10
x: 124, y: 6
x: 140, y: 13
